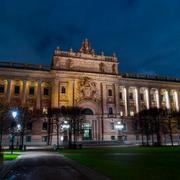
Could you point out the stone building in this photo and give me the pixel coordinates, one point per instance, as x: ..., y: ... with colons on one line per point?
x: 87, y: 80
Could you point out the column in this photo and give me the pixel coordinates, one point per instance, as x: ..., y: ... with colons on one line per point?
x: 167, y: 99
x: 126, y: 101
x: 147, y: 98
x: 104, y: 92
x: 9, y: 90
x: 176, y: 100
x: 150, y: 100
x: 116, y: 94
x: 24, y: 88
x: 139, y: 101
x: 55, y: 94
x: 136, y: 100
x: 159, y: 99
x: 38, y: 100
x: 71, y: 93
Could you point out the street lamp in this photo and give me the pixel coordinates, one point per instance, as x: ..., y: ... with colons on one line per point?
x: 119, y: 126
x: 14, y: 115
x: 65, y: 126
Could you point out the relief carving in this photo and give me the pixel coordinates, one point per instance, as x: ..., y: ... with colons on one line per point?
x: 87, y: 89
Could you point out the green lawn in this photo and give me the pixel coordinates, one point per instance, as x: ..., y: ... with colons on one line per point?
x: 148, y: 163
x: 8, y: 156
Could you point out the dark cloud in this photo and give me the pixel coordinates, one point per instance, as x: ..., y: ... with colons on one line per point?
x: 144, y: 34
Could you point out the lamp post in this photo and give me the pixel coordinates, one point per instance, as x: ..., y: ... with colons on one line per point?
x: 14, y: 115
x: 119, y: 126
x: 65, y: 126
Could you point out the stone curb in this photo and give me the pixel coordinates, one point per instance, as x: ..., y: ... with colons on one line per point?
x: 86, y: 171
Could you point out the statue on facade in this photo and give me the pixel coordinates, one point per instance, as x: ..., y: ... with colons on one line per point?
x: 86, y: 47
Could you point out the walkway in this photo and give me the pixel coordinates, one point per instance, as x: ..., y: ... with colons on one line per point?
x: 49, y: 166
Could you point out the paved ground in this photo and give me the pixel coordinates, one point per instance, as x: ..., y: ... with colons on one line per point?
x: 47, y: 166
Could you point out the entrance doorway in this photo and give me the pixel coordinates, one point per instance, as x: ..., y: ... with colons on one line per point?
x: 87, y: 131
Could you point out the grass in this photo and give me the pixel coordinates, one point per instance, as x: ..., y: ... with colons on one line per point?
x: 149, y: 163
x: 8, y: 157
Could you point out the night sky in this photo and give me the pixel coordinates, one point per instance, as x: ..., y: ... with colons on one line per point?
x: 145, y: 34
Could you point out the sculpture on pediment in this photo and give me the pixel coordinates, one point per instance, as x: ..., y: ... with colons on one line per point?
x: 86, y: 47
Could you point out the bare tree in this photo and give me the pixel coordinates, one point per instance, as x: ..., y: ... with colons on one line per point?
x: 75, y: 118
x: 54, y: 115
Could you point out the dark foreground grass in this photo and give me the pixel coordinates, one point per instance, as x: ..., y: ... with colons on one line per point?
x: 148, y: 163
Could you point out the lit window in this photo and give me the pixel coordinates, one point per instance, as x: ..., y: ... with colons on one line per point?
x: 110, y: 92
x: 46, y: 91
x: 16, y: 89
x: 45, y: 110
x: 31, y: 90
x: 1, y: 88
x: 110, y: 110
x: 121, y: 113
x: 131, y: 113
x: 44, y: 126
x: 30, y: 108
x: 63, y: 90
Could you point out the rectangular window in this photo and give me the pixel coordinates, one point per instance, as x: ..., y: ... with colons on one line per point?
x: 17, y: 90
x: 137, y: 137
x: 131, y: 113
x: 31, y: 90
x: 44, y: 126
x: 44, y: 138
x: 131, y: 96
x: 1, y: 88
x: 45, y: 110
x: 112, y: 125
x: 142, y: 97
x: 152, y: 97
x: 178, y: 124
x: 112, y: 137
x: 109, y: 92
x: 63, y: 90
x: 125, y: 138
x: 30, y: 108
x: 29, y: 126
x: 110, y: 110
x: 120, y: 95
x: 125, y: 127
x: 121, y: 113
x: 28, y: 138
x: 46, y: 91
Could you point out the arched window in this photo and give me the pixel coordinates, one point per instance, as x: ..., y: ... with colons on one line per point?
x: 87, y: 111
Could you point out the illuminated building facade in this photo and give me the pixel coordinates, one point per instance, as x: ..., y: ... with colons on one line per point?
x: 89, y: 81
